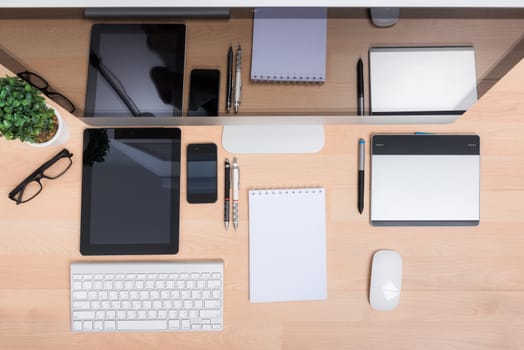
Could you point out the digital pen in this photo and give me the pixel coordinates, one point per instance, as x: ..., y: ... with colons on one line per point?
x: 361, y: 146
x: 360, y: 87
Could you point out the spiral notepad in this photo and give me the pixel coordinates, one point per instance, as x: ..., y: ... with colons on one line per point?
x: 289, y: 44
x: 287, y: 245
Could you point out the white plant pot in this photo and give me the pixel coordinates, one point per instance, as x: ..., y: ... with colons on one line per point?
x: 61, y: 136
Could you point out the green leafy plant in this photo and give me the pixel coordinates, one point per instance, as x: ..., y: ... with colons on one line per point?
x: 23, y: 112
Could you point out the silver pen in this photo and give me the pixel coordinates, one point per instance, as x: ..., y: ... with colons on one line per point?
x: 238, y: 79
x: 236, y: 184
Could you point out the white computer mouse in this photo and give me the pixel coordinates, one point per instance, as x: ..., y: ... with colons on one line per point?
x: 386, y: 280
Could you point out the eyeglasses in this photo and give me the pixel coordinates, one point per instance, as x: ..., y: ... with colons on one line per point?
x: 42, y: 85
x: 52, y: 169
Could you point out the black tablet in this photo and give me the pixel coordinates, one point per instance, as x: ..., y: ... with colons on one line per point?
x: 130, y: 191
x: 136, y: 70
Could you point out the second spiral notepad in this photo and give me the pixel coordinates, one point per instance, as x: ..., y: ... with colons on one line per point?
x: 289, y: 44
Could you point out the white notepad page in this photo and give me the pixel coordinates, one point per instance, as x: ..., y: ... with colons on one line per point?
x: 289, y: 44
x: 287, y: 245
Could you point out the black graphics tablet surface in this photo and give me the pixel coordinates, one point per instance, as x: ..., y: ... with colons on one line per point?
x: 136, y: 70
x: 130, y: 191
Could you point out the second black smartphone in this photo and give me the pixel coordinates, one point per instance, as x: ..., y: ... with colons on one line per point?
x: 203, y: 92
x: 201, y: 173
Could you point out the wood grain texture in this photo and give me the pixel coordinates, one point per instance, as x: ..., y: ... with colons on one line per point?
x: 463, y: 287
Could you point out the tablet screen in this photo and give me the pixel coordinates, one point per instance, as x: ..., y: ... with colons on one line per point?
x: 130, y: 191
x: 136, y: 70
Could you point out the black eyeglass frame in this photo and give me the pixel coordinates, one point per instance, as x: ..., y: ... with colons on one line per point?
x: 45, y: 90
x: 17, y: 193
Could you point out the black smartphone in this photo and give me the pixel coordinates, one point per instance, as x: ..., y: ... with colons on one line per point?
x: 204, y: 85
x: 201, y: 173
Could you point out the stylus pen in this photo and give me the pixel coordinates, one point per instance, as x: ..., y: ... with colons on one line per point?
x: 361, y: 146
x: 236, y: 184
x: 227, y: 190
x: 360, y: 87
x: 229, y: 87
x: 238, y: 79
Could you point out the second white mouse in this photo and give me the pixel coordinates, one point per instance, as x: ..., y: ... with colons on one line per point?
x: 386, y: 280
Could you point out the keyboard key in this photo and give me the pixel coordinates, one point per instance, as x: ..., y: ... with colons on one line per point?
x: 83, y: 315
x: 175, y: 324
x: 209, y: 313
x: 77, y: 285
x: 109, y: 325
x: 213, y: 284
x: 88, y: 325
x: 98, y: 325
x: 79, y: 295
x: 77, y: 325
x: 186, y: 324
x: 81, y: 305
x: 212, y: 304
x: 142, y: 325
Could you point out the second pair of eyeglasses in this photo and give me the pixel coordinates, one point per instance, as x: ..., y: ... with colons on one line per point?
x: 41, y: 84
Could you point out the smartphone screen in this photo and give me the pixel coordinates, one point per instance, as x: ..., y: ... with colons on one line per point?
x: 201, y: 173
x: 203, y: 92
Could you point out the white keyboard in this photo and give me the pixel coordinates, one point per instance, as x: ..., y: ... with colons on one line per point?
x: 147, y: 296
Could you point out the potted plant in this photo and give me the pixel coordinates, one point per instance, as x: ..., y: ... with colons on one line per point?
x: 24, y: 114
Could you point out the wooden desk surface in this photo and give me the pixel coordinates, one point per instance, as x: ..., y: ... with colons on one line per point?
x: 463, y: 287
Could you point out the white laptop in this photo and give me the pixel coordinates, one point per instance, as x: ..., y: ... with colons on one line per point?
x: 425, y: 180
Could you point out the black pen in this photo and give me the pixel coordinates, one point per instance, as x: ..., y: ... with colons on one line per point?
x: 229, y: 87
x: 360, y: 87
x: 361, y: 146
x: 227, y: 190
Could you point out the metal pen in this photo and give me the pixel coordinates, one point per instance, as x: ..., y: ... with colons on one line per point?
x: 361, y: 146
x: 236, y: 184
x: 227, y: 190
x: 238, y: 78
x: 360, y: 87
x: 229, y: 86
